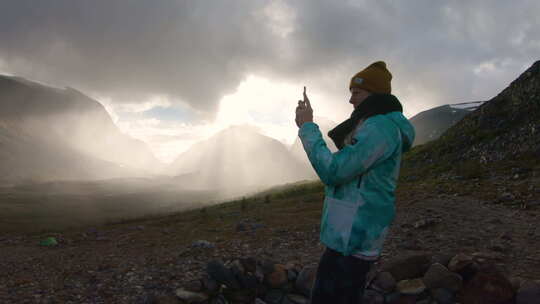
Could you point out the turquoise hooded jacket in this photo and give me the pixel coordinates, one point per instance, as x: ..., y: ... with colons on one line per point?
x: 360, y: 181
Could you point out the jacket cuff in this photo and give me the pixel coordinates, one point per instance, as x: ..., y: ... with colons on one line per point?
x: 307, y: 128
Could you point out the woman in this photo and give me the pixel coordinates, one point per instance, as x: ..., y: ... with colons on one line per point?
x: 360, y: 181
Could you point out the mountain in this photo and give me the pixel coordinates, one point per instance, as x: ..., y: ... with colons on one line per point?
x: 50, y: 133
x: 430, y: 124
x: 237, y: 158
x: 505, y: 128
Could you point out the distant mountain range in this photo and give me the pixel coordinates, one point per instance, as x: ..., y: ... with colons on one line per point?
x: 56, y: 134
x: 430, y: 124
x: 49, y: 133
x: 236, y: 158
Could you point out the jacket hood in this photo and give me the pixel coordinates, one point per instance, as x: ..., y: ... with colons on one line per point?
x: 406, y: 128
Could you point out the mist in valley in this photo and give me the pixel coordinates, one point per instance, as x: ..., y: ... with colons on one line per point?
x: 65, y: 163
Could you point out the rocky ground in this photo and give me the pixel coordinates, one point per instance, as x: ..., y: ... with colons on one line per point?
x: 132, y: 262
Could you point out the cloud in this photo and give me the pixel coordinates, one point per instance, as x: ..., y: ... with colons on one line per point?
x: 189, y: 54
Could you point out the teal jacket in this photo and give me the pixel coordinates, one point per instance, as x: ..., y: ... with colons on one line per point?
x: 360, y: 181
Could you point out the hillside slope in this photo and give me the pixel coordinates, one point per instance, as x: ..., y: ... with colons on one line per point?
x: 505, y: 128
x: 49, y: 133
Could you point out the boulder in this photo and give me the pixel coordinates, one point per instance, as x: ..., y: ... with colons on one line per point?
x: 443, y: 258
x: 384, y: 281
x: 211, y: 286
x: 249, y: 264
x: 240, y: 296
x: 443, y: 296
x: 278, y: 277
x: 195, y: 286
x: 411, y: 287
x: 464, y: 265
x: 412, y: 265
x: 222, y: 274
x: 297, y: 299
x: 439, y: 276
x: 373, y: 297
x: 306, y: 279
x: 190, y: 296
x: 528, y: 293
x: 488, y: 286
x: 274, y: 296
x: 516, y: 282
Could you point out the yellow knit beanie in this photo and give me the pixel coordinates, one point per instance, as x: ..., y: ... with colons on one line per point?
x: 375, y: 78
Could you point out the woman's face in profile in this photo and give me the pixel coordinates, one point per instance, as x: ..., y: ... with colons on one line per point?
x: 358, y: 96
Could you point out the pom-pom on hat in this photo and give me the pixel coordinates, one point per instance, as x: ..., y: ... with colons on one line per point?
x: 375, y: 79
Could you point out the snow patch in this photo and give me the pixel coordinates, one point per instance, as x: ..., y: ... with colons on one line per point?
x: 471, y: 106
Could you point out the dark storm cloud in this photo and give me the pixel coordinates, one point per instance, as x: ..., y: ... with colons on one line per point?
x: 196, y: 51
x: 192, y: 50
x: 434, y: 45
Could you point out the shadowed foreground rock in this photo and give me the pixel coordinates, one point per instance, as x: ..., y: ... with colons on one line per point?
x: 407, y: 279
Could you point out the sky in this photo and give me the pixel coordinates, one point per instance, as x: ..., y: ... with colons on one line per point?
x: 172, y: 73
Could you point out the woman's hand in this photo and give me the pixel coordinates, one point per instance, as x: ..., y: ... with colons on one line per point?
x: 304, y: 112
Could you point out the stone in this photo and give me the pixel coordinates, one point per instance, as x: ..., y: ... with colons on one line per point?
x: 459, y: 261
x: 498, y: 245
x: 189, y: 296
x: 250, y: 264
x: 443, y: 296
x: 274, y: 296
x: 411, y: 287
x: 210, y: 286
x: 267, y: 266
x: 506, y: 197
x: 220, y: 299
x: 404, y: 299
x: 464, y: 265
x: 372, y: 297
x: 392, y: 297
x: 443, y: 258
x: 424, y: 223
x: 408, y: 266
x: 166, y: 299
x: 384, y: 281
x: 516, y: 282
x: 278, y: 277
x: 240, y: 296
x: 222, y: 274
x: 259, y: 301
x: 306, y: 279
x: 490, y: 256
x: 259, y: 273
x: 292, y: 275
x: 236, y: 267
x: 439, y: 276
x: 528, y: 293
x: 248, y: 281
x: 488, y: 286
x: 241, y: 227
x: 194, y: 285
x: 297, y: 299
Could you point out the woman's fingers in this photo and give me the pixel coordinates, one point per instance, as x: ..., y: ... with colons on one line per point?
x: 306, y: 100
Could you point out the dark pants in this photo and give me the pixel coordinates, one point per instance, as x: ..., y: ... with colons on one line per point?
x: 340, y: 279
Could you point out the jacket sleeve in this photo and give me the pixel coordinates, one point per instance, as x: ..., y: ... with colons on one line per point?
x: 372, y: 146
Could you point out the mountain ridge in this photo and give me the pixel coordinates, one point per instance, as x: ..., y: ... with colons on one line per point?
x: 52, y: 122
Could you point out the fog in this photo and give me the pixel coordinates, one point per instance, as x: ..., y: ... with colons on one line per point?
x: 65, y: 163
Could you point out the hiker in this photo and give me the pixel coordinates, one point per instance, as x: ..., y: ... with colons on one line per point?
x: 360, y: 180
